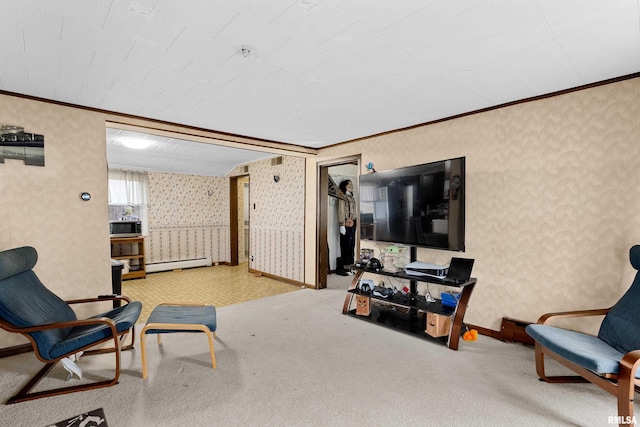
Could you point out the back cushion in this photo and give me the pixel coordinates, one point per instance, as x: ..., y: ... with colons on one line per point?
x: 25, y: 302
x: 14, y: 261
x: 621, y: 326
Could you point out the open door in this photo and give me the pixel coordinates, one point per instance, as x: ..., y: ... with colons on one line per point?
x: 326, y: 229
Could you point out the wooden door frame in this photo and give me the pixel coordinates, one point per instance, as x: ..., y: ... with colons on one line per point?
x: 322, y: 203
x: 233, y: 218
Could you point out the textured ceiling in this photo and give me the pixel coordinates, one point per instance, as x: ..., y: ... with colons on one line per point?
x: 175, y: 155
x: 311, y: 72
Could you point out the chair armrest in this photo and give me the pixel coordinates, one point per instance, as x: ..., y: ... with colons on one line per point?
x: 70, y: 324
x: 58, y: 325
x: 568, y: 314
x: 629, y: 363
x: 100, y: 299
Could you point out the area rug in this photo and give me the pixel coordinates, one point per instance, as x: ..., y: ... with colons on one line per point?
x: 88, y: 419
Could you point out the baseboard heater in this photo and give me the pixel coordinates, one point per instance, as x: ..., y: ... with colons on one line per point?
x: 513, y: 330
x: 176, y: 265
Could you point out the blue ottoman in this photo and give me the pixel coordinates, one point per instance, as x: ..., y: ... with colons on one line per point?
x: 167, y: 318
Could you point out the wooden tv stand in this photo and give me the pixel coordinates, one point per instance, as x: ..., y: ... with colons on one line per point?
x: 409, y: 312
x: 130, y: 248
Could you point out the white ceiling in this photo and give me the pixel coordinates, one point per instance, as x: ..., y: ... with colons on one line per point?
x: 319, y: 72
x: 175, y: 155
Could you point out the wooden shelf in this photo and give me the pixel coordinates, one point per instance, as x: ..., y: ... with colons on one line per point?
x: 132, y: 249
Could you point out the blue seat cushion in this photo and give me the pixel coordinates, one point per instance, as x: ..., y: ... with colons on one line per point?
x: 585, y: 350
x: 182, y: 314
x: 80, y: 336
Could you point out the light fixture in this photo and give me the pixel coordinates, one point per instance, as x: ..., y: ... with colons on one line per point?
x: 136, y: 143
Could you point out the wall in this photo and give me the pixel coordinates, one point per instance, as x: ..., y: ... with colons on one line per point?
x: 41, y: 207
x: 277, y: 234
x: 552, y: 197
x: 188, y: 218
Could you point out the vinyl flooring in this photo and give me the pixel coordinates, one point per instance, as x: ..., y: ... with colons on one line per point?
x: 217, y: 285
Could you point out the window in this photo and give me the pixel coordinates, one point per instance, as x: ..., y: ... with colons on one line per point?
x: 130, y: 191
x: 128, y: 188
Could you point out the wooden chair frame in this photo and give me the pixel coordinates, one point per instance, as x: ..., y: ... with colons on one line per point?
x: 178, y: 327
x: 118, y: 338
x: 623, y: 386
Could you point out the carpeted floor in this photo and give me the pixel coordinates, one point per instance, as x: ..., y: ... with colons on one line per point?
x: 294, y: 360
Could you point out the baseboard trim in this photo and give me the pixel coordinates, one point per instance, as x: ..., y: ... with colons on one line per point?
x: 281, y: 279
x: 484, y: 331
x: 177, y: 265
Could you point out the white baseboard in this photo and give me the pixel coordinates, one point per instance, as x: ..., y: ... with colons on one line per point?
x: 175, y: 265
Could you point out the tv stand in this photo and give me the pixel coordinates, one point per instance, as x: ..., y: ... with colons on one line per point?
x: 409, y: 312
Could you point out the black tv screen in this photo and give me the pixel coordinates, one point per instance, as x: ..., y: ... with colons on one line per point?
x: 420, y: 205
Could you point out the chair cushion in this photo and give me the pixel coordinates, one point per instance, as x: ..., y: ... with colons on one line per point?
x: 585, y: 350
x: 80, y: 336
x: 25, y: 301
x: 15, y: 261
x: 634, y: 256
x: 621, y: 326
x: 180, y: 315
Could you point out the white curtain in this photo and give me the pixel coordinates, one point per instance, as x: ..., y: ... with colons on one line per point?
x: 128, y: 188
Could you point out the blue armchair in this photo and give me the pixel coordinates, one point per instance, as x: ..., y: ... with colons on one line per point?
x: 50, y: 324
x: 610, y: 359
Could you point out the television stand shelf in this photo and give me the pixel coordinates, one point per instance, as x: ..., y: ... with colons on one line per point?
x: 409, y: 312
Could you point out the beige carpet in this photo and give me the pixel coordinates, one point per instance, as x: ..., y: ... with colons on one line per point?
x: 294, y: 360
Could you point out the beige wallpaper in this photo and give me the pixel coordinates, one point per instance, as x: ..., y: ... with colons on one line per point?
x: 277, y: 217
x: 552, y: 197
x: 41, y: 207
x: 188, y: 218
x: 187, y: 199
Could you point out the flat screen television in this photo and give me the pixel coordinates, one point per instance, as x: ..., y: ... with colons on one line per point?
x: 421, y: 205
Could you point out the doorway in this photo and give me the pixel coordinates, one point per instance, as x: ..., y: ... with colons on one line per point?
x: 239, y: 228
x: 330, y: 174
